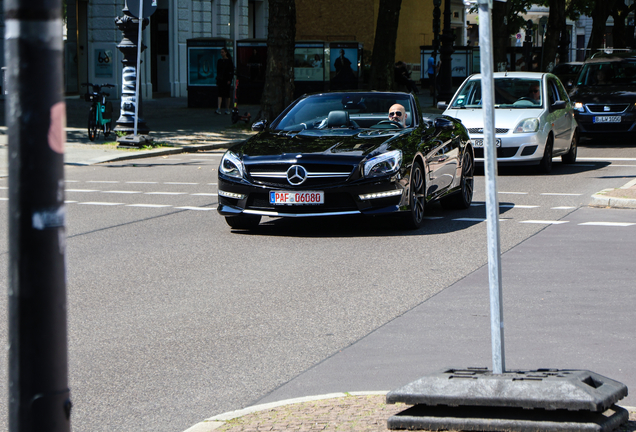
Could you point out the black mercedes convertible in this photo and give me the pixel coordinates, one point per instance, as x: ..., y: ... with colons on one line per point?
x: 334, y: 154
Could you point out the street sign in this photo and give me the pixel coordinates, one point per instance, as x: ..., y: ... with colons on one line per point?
x: 149, y: 7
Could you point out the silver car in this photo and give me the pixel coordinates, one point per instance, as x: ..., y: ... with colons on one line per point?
x: 534, y: 118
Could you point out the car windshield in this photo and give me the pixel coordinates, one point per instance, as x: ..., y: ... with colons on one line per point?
x: 610, y: 73
x: 509, y: 93
x: 331, y: 111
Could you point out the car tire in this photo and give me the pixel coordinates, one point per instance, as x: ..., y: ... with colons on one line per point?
x: 464, y: 197
x: 414, y: 218
x: 545, y: 165
x: 243, y: 221
x: 570, y: 156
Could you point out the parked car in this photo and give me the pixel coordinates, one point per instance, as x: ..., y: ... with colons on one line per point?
x: 604, y: 95
x: 534, y: 118
x: 333, y: 154
x: 568, y: 72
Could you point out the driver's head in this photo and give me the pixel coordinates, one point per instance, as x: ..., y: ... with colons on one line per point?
x: 398, y: 114
x: 535, y: 92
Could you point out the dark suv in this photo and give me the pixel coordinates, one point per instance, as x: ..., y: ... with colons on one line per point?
x: 604, y: 95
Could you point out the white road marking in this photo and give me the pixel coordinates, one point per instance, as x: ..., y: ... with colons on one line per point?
x: 433, y: 217
x: 69, y: 202
x: 71, y: 181
x: 560, y: 194
x: 213, y: 184
x: 620, y: 165
x: 102, y: 181
x: 4, y: 199
x: 81, y: 190
x: 518, y: 206
x: 165, y: 193
x: 562, y: 208
x: 197, y: 208
x: 596, y: 159
x: 478, y: 204
x: 180, y: 183
x: 474, y: 219
x: 204, y: 194
x: 141, y: 182
x: 121, y: 192
x: 148, y: 205
x: 514, y: 193
x: 545, y: 222
x: 4, y: 187
x: 101, y: 203
x: 613, y: 224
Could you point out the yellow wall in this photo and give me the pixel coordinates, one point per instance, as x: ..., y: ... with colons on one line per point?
x: 355, y: 20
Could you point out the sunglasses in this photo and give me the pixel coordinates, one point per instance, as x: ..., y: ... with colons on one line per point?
x: 396, y: 114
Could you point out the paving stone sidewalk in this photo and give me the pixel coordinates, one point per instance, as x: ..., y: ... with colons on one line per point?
x: 349, y: 412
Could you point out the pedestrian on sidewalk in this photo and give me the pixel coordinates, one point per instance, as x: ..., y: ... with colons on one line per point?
x: 224, y: 75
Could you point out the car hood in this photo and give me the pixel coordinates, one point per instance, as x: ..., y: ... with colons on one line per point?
x: 604, y: 94
x: 347, y: 143
x: 505, y: 118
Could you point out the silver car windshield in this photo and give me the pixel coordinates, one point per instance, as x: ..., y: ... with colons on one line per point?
x: 509, y: 93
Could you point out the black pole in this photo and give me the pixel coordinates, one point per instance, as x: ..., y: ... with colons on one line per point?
x: 436, y: 29
x: 36, y: 117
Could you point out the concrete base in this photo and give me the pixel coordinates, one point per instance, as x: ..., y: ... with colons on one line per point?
x: 421, y: 417
x: 134, y: 141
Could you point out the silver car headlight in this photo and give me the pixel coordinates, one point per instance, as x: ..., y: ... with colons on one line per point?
x: 386, y: 163
x: 527, y: 126
x: 231, y: 165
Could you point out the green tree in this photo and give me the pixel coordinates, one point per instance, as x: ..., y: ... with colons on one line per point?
x: 556, y: 32
x: 383, y: 58
x: 279, y: 73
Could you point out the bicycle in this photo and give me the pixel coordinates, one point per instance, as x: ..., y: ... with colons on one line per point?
x: 100, y: 112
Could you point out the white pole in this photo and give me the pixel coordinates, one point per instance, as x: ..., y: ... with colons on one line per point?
x: 137, y: 80
x: 492, y: 201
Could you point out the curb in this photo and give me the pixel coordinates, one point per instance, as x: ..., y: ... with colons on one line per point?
x: 219, y: 420
x: 600, y: 199
x: 191, y: 148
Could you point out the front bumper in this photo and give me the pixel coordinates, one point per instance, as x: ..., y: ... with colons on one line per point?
x: 587, y: 126
x: 515, y: 148
x: 340, y: 200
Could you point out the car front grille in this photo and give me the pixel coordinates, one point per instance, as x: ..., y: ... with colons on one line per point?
x: 609, y: 108
x: 481, y: 130
x: 317, y: 174
x: 502, y: 152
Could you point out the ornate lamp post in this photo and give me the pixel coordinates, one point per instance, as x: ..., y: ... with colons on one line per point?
x: 129, y: 26
x: 446, y: 52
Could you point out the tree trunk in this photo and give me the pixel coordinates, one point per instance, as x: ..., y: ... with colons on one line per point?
x: 383, y: 58
x: 602, y: 10
x: 500, y: 35
x: 279, y: 75
x: 556, y: 23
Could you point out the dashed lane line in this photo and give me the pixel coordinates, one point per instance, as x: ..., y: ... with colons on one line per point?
x: 180, y: 183
x: 101, y: 203
x: 562, y: 208
x: 560, y: 194
x: 81, y: 190
x: 165, y: 193
x: 205, y: 194
x: 121, y: 192
x: 149, y: 205
x: 519, y: 206
x: 608, y: 224
x: 102, y: 181
x: 196, y: 208
x: 513, y: 193
x: 141, y: 182
x: 544, y: 222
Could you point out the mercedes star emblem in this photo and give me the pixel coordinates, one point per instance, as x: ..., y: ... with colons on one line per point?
x: 296, y: 175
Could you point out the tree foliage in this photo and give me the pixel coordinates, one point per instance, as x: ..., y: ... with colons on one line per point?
x: 383, y: 58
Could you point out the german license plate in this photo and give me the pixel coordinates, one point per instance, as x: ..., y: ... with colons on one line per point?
x: 296, y: 198
x: 480, y: 142
x: 607, y: 119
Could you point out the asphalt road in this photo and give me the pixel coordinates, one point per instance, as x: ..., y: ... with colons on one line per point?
x: 174, y: 318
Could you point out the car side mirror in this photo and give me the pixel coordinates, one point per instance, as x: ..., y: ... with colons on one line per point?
x: 444, y: 123
x: 259, y: 126
x: 442, y: 105
x: 558, y: 105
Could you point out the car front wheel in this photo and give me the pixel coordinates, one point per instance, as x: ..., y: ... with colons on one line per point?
x: 545, y: 165
x: 414, y: 218
x: 570, y: 157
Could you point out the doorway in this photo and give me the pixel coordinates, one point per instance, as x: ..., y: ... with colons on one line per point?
x: 160, y: 51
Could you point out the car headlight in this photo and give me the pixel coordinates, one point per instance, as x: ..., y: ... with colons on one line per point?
x: 386, y: 163
x: 527, y: 125
x: 231, y: 165
x: 579, y: 106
